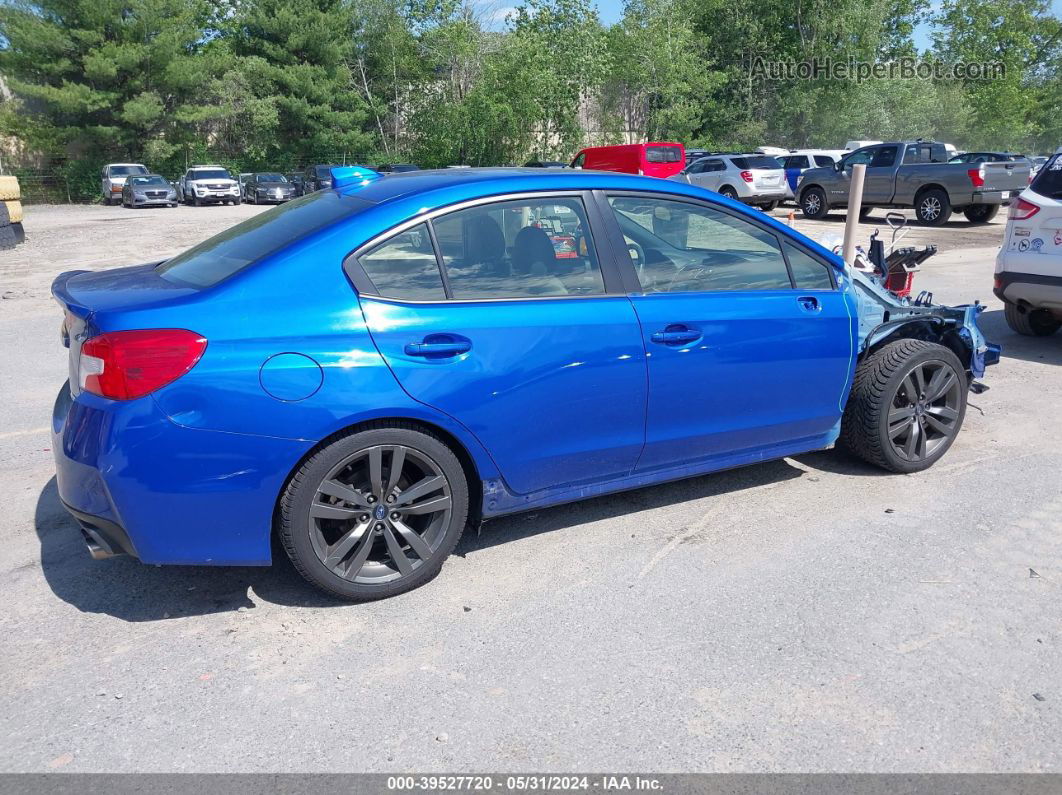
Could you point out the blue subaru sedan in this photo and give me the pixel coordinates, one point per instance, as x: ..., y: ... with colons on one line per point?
x: 368, y: 369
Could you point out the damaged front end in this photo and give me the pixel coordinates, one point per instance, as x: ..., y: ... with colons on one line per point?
x: 884, y: 317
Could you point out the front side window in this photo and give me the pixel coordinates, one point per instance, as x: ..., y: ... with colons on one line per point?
x: 578, y: 162
x: 863, y: 156
x: 524, y: 248
x: 677, y: 247
x: 808, y: 272
x: 405, y: 266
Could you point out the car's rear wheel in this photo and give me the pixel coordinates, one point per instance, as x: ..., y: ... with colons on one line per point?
x: 907, y: 405
x: 980, y: 213
x: 769, y: 206
x: 813, y: 203
x: 933, y: 208
x: 729, y: 192
x: 1030, y: 322
x: 375, y: 513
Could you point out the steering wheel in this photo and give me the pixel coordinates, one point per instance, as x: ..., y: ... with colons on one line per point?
x: 637, y: 255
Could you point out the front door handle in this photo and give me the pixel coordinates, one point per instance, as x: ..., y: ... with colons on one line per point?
x: 438, y: 346
x: 675, y: 334
x: 809, y: 303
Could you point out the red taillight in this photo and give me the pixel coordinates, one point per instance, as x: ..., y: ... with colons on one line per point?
x: 747, y: 176
x: 977, y: 176
x: 123, y: 365
x: 1022, y: 210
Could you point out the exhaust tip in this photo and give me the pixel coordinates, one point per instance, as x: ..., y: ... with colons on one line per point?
x: 97, y: 547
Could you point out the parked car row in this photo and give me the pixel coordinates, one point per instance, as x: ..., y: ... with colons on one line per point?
x: 133, y: 185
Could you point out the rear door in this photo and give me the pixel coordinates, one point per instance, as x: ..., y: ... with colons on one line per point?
x: 750, y: 342
x: 540, y: 356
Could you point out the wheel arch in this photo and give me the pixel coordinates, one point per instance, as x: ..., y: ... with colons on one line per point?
x: 927, y: 329
x: 922, y: 190
x: 474, y: 459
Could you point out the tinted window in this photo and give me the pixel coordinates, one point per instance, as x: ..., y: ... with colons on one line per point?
x: 519, y: 249
x: 680, y: 247
x: 124, y: 171
x: 236, y: 248
x: 578, y: 162
x: 798, y: 161
x: 405, y: 267
x: 824, y: 161
x: 209, y: 173
x: 324, y: 172
x: 754, y: 161
x: 663, y: 154
x: 884, y: 157
x: 1048, y: 180
x: 860, y: 156
x: 808, y: 272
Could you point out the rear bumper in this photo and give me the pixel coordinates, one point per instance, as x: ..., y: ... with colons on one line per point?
x: 995, y: 196
x: 1036, y: 290
x: 141, y: 484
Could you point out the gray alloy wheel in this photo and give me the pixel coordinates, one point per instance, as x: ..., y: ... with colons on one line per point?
x: 813, y: 203
x: 375, y: 513
x: 932, y: 208
x: 907, y: 405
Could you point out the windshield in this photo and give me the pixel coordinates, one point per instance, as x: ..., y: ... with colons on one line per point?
x: 210, y: 173
x: 272, y: 178
x: 1048, y: 180
x: 755, y: 161
x: 154, y: 180
x: 125, y: 171
x: 234, y: 249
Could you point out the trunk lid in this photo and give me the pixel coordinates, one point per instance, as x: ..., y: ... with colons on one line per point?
x: 1006, y: 176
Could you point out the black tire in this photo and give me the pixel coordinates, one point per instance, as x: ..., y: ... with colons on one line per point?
x: 864, y: 212
x: 236, y: 202
x: 876, y: 409
x: 813, y: 203
x: 769, y: 206
x: 310, y: 541
x: 729, y: 192
x: 8, y: 237
x: 932, y: 207
x: 981, y: 213
x: 20, y: 233
x: 1030, y: 322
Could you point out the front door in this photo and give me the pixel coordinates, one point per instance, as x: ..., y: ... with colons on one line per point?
x: 500, y: 316
x: 749, y: 343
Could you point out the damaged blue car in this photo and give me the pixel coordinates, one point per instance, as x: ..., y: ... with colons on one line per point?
x: 365, y: 371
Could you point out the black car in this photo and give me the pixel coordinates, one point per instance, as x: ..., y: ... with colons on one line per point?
x: 296, y: 180
x: 396, y: 168
x: 987, y: 157
x: 268, y: 186
x: 317, y: 177
x: 545, y: 164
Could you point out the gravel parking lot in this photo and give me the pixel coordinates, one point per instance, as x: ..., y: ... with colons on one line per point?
x: 809, y: 614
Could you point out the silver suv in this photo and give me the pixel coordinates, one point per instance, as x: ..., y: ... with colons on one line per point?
x: 753, y: 178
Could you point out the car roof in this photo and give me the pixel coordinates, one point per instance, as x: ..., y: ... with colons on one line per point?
x: 471, y: 183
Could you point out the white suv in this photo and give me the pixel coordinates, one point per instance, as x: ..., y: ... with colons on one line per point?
x: 208, y: 184
x: 753, y: 178
x: 1029, y: 265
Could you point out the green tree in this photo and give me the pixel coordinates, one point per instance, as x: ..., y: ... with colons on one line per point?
x: 109, y: 75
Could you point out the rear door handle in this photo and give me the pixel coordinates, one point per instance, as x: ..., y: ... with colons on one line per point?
x: 675, y: 334
x: 809, y: 303
x: 438, y: 346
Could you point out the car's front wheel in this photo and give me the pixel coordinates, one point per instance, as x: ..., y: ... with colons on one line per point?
x: 1030, y: 322
x: 907, y: 405
x: 933, y: 208
x: 375, y: 513
x: 813, y: 203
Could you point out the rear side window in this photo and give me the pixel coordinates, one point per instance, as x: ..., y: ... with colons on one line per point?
x: 754, y: 161
x: 884, y: 157
x: 236, y: 248
x: 808, y: 272
x: 526, y: 248
x: 405, y: 267
x: 663, y: 154
x: 1048, y: 180
x: 824, y: 161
